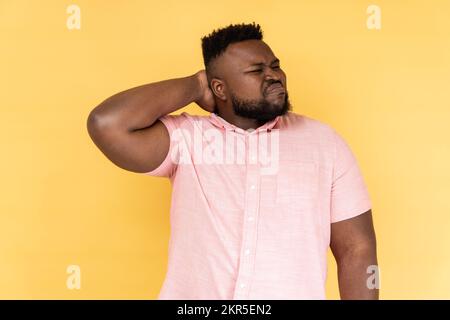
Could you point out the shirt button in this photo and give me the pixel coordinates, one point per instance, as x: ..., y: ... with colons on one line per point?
x: 242, y: 285
x: 253, y: 158
x: 247, y: 252
x: 252, y: 187
x: 250, y: 218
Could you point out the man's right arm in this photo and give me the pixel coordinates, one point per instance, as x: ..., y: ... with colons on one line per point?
x: 125, y: 127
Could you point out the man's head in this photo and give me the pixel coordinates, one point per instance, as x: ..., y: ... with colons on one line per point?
x: 244, y: 74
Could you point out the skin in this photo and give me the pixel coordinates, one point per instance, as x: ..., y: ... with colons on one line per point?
x: 244, y: 72
x: 353, y: 244
x: 126, y: 129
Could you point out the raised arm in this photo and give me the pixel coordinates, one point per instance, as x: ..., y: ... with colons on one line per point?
x: 125, y: 127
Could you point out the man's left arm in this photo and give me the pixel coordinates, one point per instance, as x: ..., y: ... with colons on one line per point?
x: 353, y: 244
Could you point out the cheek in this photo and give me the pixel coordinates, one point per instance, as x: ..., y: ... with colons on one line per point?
x: 248, y: 89
x: 284, y: 78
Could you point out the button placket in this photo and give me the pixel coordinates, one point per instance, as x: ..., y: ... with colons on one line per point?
x: 249, y: 228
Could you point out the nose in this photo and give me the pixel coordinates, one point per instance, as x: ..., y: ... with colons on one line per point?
x: 272, y: 75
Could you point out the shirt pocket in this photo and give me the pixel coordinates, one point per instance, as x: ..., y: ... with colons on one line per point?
x: 297, y: 185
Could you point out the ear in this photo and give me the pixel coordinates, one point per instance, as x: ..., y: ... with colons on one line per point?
x: 218, y: 88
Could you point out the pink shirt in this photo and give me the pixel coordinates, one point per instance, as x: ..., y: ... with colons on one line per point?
x: 251, y: 210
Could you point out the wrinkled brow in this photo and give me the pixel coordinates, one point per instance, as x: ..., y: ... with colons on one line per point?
x: 261, y: 64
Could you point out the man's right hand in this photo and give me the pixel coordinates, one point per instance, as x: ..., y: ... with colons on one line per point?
x: 206, y: 98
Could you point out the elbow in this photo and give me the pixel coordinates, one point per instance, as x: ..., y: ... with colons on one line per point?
x: 98, y: 122
x: 97, y: 125
x: 93, y: 123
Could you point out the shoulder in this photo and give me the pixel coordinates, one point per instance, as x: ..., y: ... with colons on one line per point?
x: 306, y: 124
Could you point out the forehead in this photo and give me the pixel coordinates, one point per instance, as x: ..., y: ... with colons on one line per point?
x: 243, y: 54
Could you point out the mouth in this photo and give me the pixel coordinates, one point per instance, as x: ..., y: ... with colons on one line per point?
x: 276, y: 88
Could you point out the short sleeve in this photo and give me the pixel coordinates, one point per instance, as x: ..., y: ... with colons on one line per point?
x: 169, y: 165
x: 349, y: 194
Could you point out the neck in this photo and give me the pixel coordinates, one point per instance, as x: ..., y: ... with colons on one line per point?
x: 238, y: 121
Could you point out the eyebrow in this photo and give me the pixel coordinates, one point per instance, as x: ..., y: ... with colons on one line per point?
x: 261, y: 64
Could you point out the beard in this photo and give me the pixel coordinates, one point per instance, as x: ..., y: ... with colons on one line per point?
x: 261, y: 110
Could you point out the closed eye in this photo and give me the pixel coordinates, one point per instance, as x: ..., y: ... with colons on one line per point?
x: 260, y: 70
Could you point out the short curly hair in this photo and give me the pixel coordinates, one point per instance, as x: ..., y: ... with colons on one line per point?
x: 214, y: 44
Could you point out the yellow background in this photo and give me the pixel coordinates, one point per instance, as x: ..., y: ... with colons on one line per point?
x: 62, y: 202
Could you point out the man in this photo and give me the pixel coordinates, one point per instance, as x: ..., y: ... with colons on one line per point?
x: 259, y: 192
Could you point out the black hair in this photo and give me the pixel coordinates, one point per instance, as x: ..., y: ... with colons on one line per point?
x: 214, y: 44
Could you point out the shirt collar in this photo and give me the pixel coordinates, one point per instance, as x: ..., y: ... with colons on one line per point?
x: 220, y: 122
